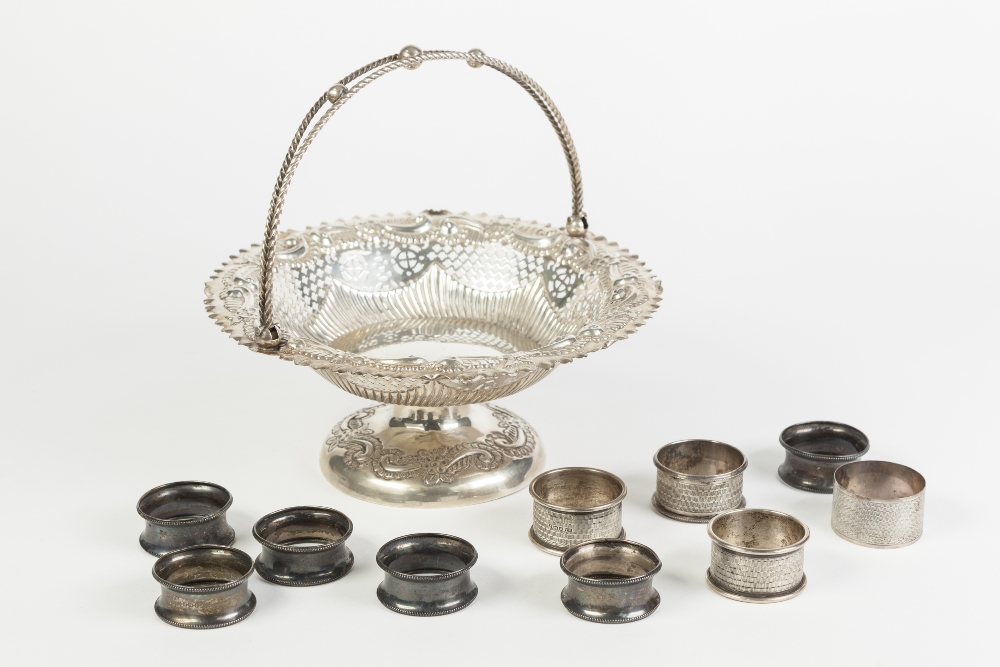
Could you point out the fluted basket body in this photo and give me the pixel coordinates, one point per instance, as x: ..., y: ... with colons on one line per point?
x: 506, y: 300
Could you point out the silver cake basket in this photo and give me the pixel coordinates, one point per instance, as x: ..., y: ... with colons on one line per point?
x: 360, y: 301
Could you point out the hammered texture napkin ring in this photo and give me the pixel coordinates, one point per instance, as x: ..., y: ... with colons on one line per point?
x: 757, y: 555
x: 574, y: 505
x: 697, y: 479
x: 878, y: 504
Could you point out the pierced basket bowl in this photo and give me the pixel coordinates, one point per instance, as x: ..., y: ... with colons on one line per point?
x: 358, y: 301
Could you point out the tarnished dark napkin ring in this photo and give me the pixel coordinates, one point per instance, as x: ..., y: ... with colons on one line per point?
x: 757, y: 555
x: 878, y: 504
x: 184, y: 514
x: 610, y: 581
x: 303, y: 546
x: 204, y: 587
x: 814, y: 451
x: 427, y: 574
x: 697, y: 479
x: 574, y: 505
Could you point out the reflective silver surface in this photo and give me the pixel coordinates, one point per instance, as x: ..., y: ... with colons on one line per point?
x: 361, y: 302
x: 431, y: 457
x: 437, y: 312
x: 435, y: 309
x: 574, y: 505
x: 878, y: 504
x: 697, y: 479
x: 757, y: 555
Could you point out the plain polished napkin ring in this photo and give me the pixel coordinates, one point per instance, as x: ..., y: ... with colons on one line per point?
x: 574, y: 505
x: 814, y: 451
x: 757, y: 555
x: 183, y: 514
x: 204, y: 587
x: 878, y: 504
x: 303, y: 546
x: 697, y: 479
x: 427, y: 574
x: 610, y: 581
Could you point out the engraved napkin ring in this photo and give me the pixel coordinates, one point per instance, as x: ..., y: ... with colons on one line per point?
x: 697, y: 479
x: 757, y: 555
x: 204, y: 587
x: 878, y: 504
x: 184, y: 514
x: 303, y: 546
x: 574, y: 505
x: 610, y: 581
x: 814, y: 451
x: 427, y: 574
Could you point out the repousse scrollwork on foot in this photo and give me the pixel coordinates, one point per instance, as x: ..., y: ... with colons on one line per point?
x: 363, y: 450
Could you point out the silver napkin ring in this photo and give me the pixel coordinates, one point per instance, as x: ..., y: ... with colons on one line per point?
x: 184, y: 514
x: 204, y: 587
x: 878, y: 504
x: 574, y: 505
x: 697, y: 479
x: 427, y: 574
x: 814, y: 451
x: 303, y: 546
x: 610, y: 581
x: 757, y: 555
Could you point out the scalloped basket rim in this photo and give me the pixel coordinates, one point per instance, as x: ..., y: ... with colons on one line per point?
x: 523, y: 365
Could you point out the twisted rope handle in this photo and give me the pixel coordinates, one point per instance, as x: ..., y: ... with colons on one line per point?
x: 411, y: 58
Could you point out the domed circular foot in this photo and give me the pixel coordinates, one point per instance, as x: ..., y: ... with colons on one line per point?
x: 431, y: 457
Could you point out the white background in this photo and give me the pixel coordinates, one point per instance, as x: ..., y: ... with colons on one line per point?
x: 816, y: 186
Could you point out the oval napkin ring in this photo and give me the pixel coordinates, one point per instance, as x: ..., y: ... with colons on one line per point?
x: 204, y: 587
x: 184, y: 514
x: 303, y: 546
x: 427, y: 574
x: 610, y: 581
